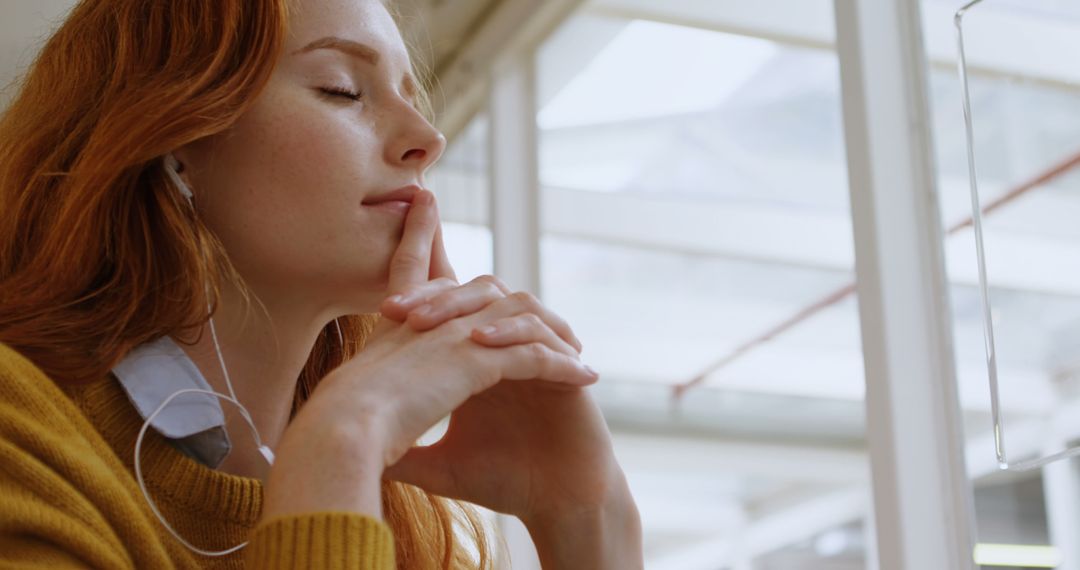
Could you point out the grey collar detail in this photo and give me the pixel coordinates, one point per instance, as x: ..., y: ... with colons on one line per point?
x: 156, y: 370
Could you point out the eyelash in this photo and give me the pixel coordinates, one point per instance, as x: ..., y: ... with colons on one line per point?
x: 342, y: 92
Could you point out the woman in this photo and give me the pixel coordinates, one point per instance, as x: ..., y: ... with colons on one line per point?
x: 221, y: 195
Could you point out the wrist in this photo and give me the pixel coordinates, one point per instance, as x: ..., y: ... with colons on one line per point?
x: 364, y: 428
x: 604, y: 535
x: 603, y: 488
x: 326, y: 464
x: 617, y: 506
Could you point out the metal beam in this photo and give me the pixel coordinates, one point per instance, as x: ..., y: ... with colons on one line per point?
x: 923, y: 499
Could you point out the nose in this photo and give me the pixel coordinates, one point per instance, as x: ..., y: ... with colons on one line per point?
x: 417, y: 144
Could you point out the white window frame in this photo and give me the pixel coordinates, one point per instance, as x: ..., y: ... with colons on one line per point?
x: 922, y: 497
x: 923, y: 502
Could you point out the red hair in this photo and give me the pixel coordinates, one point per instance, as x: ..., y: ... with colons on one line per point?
x: 98, y: 254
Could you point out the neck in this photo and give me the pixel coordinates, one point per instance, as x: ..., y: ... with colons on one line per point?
x: 264, y: 353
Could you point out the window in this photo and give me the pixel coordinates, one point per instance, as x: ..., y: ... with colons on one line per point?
x: 688, y: 210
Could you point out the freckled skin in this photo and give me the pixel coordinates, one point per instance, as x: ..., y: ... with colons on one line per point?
x: 282, y: 188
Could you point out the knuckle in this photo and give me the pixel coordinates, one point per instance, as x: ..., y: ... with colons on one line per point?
x: 413, y: 289
x: 525, y: 299
x: 405, y: 259
x: 491, y: 290
x: 489, y: 278
x: 487, y: 286
x: 537, y: 351
x: 498, y: 283
x: 481, y: 282
x: 439, y: 299
x: 559, y: 321
x: 533, y: 321
x: 446, y: 282
x: 506, y: 327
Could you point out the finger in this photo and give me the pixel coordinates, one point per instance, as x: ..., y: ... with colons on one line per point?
x: 464, y: 300
x: 535, y: 361
x: 440, y: 262
x: 397, y: 306
x: 498, y: 283
x: 522, y: 329
x: 411, y: 263
x: 523, y: 302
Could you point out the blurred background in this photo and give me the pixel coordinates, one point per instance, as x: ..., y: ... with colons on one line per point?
x: 690, y: 218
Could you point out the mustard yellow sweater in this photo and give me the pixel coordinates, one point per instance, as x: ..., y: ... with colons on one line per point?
x: 69, y: 499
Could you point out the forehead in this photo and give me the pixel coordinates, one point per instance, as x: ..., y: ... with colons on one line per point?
x: 364, y: 21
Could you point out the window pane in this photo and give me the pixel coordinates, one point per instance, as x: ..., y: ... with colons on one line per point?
x: 690, y: 210
x: 461, y: 183
x: 1025, y: 96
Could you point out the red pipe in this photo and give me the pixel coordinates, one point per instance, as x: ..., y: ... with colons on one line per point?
x: 844, y: 292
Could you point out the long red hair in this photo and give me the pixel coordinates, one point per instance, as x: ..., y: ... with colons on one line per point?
x: 97, y: 253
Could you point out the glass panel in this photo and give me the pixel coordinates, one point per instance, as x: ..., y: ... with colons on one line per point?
x: 1025, y: 94
x: 697, y: 235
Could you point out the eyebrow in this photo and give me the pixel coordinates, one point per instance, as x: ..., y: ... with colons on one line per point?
x: 359, y: 51
x: 353, y: 48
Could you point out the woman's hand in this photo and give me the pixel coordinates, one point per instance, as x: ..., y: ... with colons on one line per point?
x: 524, y: 438
x: 522, y: 448
x: 525, y: 448
x: 366, y: 414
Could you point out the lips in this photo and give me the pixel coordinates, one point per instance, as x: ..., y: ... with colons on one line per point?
x: 404, y: 194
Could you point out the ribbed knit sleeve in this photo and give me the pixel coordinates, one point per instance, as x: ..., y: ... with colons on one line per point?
x: 69, y: 500
x: 321, y: 541
x: 58, y: 497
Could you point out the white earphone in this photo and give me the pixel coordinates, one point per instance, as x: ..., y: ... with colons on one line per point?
x: 172, y: 167
x: 172, y: 170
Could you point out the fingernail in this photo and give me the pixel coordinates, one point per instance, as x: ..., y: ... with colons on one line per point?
x: 591, y: 371
x: 397, y: 299
x: 424, y: 197
x: 488, y: 330
x: 422, y: 310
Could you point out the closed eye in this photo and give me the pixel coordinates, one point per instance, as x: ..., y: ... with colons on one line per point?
x: 341, y: 92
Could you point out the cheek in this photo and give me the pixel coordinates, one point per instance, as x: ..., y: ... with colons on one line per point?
x: 288, y: 182
x: 313, y: 153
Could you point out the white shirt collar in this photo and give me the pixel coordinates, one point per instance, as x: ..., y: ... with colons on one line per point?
x: 195, y: 422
